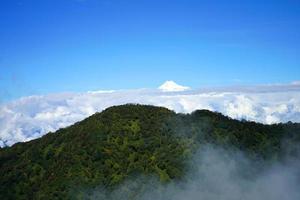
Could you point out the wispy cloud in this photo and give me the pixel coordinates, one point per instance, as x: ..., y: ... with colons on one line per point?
x: 215, y: 173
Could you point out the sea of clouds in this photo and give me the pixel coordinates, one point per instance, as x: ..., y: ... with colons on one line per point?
x: 30, y: 117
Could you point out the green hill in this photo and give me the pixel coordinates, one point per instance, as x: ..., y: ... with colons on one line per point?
x: 108, y: 148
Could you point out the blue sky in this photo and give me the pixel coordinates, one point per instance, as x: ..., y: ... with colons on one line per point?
x: 49, y: 46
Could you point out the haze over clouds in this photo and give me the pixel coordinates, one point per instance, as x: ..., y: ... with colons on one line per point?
x: 31, y: 117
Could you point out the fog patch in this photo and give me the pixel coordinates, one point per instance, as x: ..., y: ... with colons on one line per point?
x: 214, y: 173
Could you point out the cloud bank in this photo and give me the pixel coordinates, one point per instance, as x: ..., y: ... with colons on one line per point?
x: 31, y: 117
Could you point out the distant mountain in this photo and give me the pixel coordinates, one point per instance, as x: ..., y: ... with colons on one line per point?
x: 108, y: 148
x: 171, y: 86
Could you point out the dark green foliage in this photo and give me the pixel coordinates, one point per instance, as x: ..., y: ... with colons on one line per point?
x: 108, y: 147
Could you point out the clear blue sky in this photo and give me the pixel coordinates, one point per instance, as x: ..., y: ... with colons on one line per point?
x: 51, y: 46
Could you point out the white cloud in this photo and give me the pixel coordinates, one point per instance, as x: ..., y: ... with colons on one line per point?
x: 240, y: 107
x: 31, y: 117
x: 171, y: 86
x: 296, y: 82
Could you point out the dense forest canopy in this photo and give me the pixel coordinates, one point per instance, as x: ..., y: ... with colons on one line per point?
x: 122, y: 142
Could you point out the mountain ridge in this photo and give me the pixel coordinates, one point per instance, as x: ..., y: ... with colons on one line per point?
x: 109, y: 147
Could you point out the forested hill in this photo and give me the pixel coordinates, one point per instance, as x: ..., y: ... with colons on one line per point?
x: 109, y: 147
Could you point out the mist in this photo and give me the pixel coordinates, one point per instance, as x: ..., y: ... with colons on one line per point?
x: 214, y: 173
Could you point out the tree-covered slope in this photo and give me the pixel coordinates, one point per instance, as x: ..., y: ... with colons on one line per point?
x: 109, y: 147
